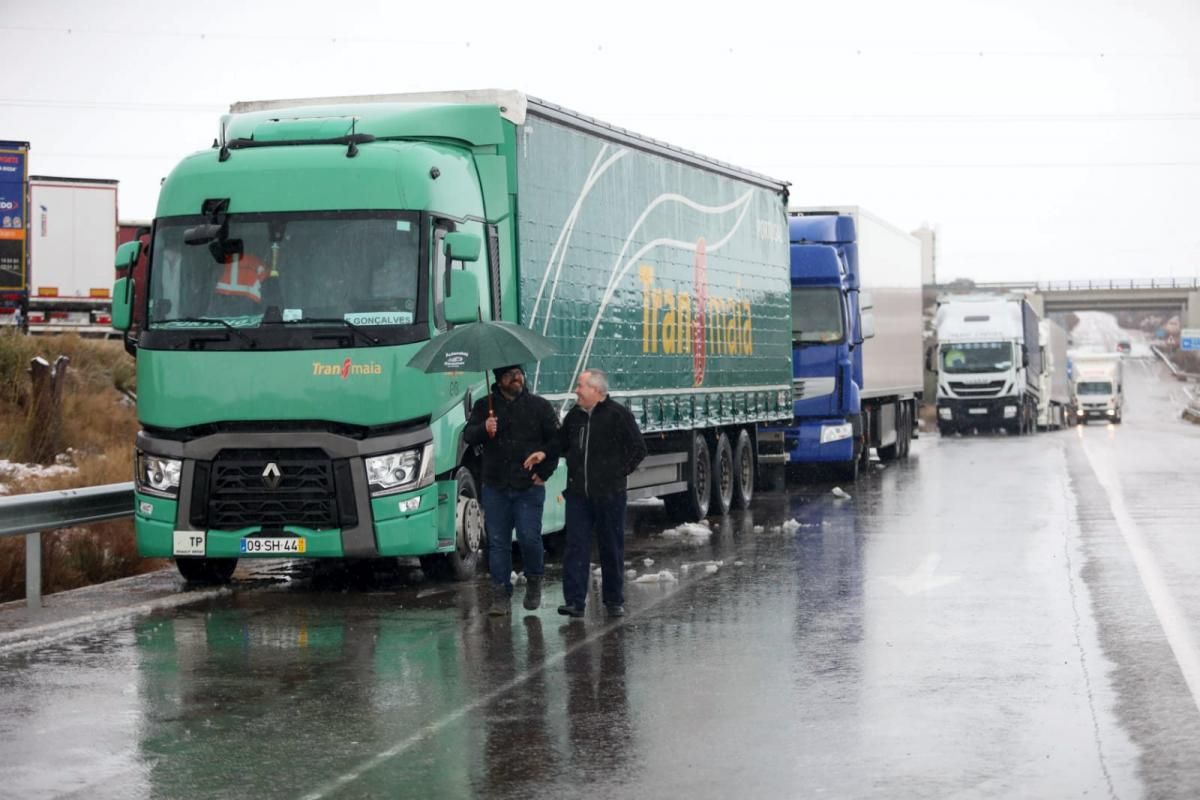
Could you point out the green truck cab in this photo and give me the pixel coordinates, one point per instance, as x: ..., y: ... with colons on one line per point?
x: 297, y: 266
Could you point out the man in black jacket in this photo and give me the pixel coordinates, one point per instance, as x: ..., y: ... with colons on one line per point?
x: 517, y: 430
x: 602, y: 445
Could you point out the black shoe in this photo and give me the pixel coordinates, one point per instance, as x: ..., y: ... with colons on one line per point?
x: 533, y: 592
x: 571, y: 611
x: 614, y: 609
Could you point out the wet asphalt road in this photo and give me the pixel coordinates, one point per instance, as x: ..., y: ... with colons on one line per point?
x: 999, y: 617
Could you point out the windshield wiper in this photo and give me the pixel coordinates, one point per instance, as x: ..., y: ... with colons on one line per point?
x: 326, y: 321
x: 212, y: 321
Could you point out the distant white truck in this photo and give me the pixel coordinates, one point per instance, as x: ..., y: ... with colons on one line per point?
x: 1055, y: 400
x: 1099, y: 386
x: 72, y: 239
x: 988, y: 362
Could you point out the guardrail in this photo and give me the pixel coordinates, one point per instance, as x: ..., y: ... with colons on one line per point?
x: 1133, y: 283
x: 34, y: 514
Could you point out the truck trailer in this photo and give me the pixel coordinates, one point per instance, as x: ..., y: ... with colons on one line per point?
x: 1055, y: 404
x: 73, y: 234
x: 988, y: 363
x: 856, y: 338
x: 297, y: 266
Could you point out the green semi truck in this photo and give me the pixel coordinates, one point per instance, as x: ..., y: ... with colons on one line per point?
x: 297, y: 266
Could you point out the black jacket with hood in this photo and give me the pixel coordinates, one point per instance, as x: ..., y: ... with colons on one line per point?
x: 525, y: 424
x: 601, y: 448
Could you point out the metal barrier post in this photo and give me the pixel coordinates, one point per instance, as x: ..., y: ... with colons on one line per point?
x: 33, y: 571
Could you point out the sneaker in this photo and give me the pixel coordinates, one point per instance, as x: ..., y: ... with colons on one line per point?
x: 614, y: 609
x: 533, y: 592
x: 569, y: 610
x: 501, y: 603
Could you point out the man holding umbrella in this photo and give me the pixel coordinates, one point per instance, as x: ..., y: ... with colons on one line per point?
x: 517, y: 430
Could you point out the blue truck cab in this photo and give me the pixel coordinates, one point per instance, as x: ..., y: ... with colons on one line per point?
x: 851, y: 390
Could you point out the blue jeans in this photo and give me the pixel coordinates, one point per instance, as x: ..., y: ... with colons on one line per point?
x: 605, y: 517
x: 503, y: 510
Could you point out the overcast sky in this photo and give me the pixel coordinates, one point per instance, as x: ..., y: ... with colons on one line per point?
x: 1043, y: 139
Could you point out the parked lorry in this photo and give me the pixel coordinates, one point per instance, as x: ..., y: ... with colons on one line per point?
x: 988, y: 362
x: 1099, y: 386
x: 1055, y: 397
x: 297, y: 266
x: 73, y: 234
x: 856, y: 341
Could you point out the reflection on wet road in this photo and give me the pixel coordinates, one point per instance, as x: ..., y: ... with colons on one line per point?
x: 977, y: 622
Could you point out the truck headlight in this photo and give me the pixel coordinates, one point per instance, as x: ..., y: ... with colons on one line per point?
x: 158, y: 475
x: 400, y: 472
x: 835, y: 433
x: 945, y: 413
x: 1010, y: 412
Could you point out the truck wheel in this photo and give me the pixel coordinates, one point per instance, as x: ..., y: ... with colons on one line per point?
x: 206, y: 570
x: 470, y: 536
x: 904, y: 435
x: 848, y: 470
x: 691, y: 505
x: 722, y: 477
x: 892, y: 451
x: 744, y: 460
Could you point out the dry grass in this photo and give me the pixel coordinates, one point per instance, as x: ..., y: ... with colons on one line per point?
x: 98, y: 425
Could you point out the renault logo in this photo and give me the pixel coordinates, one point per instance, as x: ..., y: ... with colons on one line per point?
x: 272, y: 476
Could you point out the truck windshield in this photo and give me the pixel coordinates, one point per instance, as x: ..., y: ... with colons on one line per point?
x: 816, y: 316
x: 299, y: 270
x: 976, y: 357
x: 1093, y: 387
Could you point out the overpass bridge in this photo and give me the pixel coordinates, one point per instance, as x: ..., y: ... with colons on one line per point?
x: 1174, y: 295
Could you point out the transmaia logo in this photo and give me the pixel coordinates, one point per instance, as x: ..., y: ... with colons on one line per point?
x: 347, y: 368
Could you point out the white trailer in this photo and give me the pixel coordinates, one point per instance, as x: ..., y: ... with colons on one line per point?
x: 1054, y: 398
x: 73, y: 235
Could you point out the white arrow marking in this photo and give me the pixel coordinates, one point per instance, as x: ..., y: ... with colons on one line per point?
x: 923, y: 578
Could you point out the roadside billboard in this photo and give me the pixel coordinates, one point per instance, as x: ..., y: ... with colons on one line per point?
x: 14, y: 216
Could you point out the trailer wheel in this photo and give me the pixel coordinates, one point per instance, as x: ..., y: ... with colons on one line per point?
x: 206, y: 570
x: 744, y: 459
x: 470, y: 536
x: 691, y: 505
x: 892, y: 451
x: 722, y: 477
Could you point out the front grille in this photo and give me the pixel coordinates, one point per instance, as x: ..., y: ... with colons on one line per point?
x: 989, y: 389
x: 807, y: 388
x: 239, y: 495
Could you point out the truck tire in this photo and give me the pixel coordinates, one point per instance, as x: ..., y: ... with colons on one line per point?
x: 691, y: 505
x: 470, y: 536
x: 904, y: 435
x: 722, y: 477
x: 892, y: 451
x: 206, y: 570
x: 744, y: 461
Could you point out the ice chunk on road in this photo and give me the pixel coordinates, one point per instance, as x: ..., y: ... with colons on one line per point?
x: 791, y: 525
x: 840, y: 493
x: 739, y: 563
x: 649, y: 562
x: 711, y: 568
x: 665, y: 576
x: 690, y: 529
x: 759, y: 528
x: 630, y: 574
x: 597, y: 571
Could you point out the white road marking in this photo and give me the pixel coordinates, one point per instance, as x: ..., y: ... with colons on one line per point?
x: 923, y: 578
x: 1171, y: 618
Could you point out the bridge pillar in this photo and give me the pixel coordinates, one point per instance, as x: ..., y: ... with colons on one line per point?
x: 1191, y: 315
x: 1038, y: 302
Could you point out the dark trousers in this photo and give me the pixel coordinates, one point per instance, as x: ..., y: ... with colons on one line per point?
x: 604, y: 517
x: 503, y: 510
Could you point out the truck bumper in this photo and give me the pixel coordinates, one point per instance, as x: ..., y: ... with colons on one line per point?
x: 323, y: 498
x: 802, y: 443
x: 992, y: 412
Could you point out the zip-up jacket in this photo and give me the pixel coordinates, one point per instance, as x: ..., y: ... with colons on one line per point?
x: 601, y: 448
x: 525, y: 424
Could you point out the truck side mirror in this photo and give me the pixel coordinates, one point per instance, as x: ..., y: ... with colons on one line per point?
x: 127, y: 255
x: 868, y: 324
x: 462, y: 301
x: 462, y: 246
x: 1024, y: 356
x: 929, y: 359
x: 122, y: 302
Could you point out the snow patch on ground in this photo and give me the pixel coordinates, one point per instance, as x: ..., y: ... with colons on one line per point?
x: 12, y: 472
x: 695, y: 530
x: 665, y: 576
